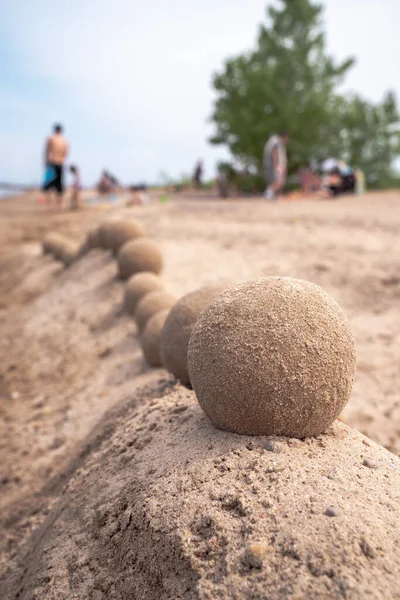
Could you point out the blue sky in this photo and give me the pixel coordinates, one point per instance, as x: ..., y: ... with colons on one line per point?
x: 131, y: 81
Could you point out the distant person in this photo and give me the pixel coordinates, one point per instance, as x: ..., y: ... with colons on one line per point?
x: 275, y: 164
x: 340, y: 178
x: 309, y: 181
x: 198, y: 175
x: 56, y: 152
x: 113, y: 180
x: 106, y: 184
x: 76, y: 196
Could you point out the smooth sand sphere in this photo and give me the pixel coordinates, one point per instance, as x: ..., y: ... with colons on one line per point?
x: 48, y: 242
x: 178, y: 329
x: 121, y: 232
x: 273, y: 356
x: 69, y: 252
x: 138, y: 286
x: 139, y: 255
x: 91, y: 241
x: 150, y: 304
x: 151, y: 338
x: 103, y: 235
x: 93, y: 238
x: 53, y: 243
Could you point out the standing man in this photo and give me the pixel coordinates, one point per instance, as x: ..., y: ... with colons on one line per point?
x: 275, y: 164
x: 56, y: 151
x: 198, y: 175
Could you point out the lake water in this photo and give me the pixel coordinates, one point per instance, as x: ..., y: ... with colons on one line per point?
x: 6, y: 193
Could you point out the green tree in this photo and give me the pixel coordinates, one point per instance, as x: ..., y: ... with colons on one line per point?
x: 368, y: 136
x: 289, y: 83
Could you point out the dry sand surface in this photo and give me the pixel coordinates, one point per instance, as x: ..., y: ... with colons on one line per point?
x: 114, y: 484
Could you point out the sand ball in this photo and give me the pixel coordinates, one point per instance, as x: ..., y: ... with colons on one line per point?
x: 151, y: 338
x: 150, y: 304
x: 56, y: 244
x: 92, y: 241
x: 139, y: 285
x: 69, y: 252
x: 179, y: 326
x: 47, y: 243
x: 123, y: 231
x: 273, y: 356
x: 103, y: 234
x: 83, y: 249
x: 93, y: 238
x: 52, y: 243
x: 139, y: 255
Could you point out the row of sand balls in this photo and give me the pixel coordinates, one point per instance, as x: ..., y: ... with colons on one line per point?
x: 140, y: 261
x: 273, y: 356
x: 164, y: 333
x: 164, y: 324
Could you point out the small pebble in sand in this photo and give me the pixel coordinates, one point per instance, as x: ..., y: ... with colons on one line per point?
x: 255, y: 554
x: 332, y: 511
x: 371, y: 464
x: 272, y: 447
x: 367, y: 442
x: 278, y: 467
x: 104, y: 352
x: 14, y: 395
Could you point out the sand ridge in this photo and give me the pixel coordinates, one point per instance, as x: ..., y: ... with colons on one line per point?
x: 169, y: 507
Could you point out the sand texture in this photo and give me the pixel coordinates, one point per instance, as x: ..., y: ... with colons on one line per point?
x: 166, y: 506
x: 115, y: 485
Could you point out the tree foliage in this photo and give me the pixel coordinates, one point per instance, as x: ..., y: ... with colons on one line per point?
x: 289, y: 83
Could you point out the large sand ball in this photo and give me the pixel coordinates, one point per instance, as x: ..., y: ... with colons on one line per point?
x: 151, y: 338
x: 178, y: 329
x: 273, y: 356
x: 138, y: 286
x: 139, y: 255
x: 151, y: 304
x: 123, y: 231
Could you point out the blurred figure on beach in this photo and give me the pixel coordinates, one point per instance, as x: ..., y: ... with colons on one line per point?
x: 76, y: 196
x: 309, y: 180
x: 56, y: 152
x: 139, y: 196
x: 107, y: 184
x: 275, y: 164
x: 340, y: 178
x: 198, y: 175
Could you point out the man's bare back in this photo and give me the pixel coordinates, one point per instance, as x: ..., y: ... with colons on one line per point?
x: 56, y: 149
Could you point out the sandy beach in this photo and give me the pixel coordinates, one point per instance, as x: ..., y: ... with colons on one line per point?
x: 73, y: 380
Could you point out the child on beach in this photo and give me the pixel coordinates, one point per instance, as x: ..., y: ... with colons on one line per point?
x: 76, y: 200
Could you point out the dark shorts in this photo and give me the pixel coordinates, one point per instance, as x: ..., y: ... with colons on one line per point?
x: 56, y: 183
